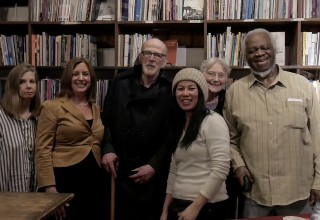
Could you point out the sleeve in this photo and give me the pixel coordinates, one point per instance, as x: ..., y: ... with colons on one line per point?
x: 217, y: 140
x: 314, y: 127
x: 106, y: 146
x: 236, y: 157
x: 4, y: 169
x: 45, y: 139
x: 171, y: 176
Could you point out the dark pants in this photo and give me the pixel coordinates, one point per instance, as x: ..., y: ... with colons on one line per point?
x: 135, y: 201
x: 91, y: 190
x: 208, y: 211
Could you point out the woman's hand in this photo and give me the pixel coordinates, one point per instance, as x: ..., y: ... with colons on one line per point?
x: 60, y: 212
x: 190, y: 213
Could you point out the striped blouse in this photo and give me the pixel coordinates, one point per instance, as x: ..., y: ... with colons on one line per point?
x: 17, y: 136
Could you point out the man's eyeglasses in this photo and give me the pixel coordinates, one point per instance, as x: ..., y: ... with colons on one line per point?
x: 148, y: 54
x: 214, y: 74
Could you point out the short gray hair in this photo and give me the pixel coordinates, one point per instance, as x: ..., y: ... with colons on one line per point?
x: 208, y: 63
x: 256, y: 31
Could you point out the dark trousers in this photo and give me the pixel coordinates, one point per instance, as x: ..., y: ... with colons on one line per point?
x: 138, y: 201
x: 208, y: 211
x: 91, y: 190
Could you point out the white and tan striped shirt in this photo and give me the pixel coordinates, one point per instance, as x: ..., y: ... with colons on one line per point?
x: 17, y: 138
x: 275, y: 132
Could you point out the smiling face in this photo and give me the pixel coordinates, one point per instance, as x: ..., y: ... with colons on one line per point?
x: 153, y: 57
x: 187, y: 95
x: 216, y: 78
x: 260, y: 53
x: 81, y: 80
x: 27, y: 85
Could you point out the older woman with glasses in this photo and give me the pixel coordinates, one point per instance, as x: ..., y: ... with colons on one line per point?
x: 216, y: 72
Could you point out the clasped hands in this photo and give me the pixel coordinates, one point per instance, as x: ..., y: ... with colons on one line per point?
x: 141, y: 174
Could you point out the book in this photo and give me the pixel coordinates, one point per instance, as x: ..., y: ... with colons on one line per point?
x: 192, y: 10
x: 172, y: 46
x: 281, y: 50
x: 106, y: 10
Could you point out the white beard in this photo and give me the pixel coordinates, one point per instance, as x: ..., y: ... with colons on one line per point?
x: 264, y: 73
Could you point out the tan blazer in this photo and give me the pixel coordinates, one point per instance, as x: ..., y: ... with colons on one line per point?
x: 64, y: 138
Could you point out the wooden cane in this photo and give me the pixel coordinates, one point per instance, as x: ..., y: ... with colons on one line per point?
x: 113, y: 198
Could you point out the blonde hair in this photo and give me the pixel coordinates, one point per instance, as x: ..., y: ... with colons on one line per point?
x: 11, y: 98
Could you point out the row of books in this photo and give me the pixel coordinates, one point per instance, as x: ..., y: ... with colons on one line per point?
x: 155, y: 10
x: 129, y: 47
x: 251, y: 9
x: 311, y: 49
x: 13, y: 49
x: 50, y: 88
x: 227, y: 46
x: 68, y: 10
x: 50, y: 50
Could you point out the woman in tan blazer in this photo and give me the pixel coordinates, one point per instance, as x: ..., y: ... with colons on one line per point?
x: 68, y: 141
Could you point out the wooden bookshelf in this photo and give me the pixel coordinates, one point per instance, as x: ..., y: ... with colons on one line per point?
x: 190, y: 34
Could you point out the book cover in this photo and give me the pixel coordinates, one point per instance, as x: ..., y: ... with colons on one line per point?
x: 280, y: 53
x: 192, y: 10
x: 172, y: 46
x: 106, y: 10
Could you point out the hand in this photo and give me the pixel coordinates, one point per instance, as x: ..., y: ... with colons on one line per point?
x: 190, y: 213
x: 60, y: 212
x: 314, y: 197
x: 143, y: 174
x: 240, y: 172
x: 110, y: 163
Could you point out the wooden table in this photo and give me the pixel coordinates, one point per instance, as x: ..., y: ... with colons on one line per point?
x: 306, y: 216
x: 30, y: 206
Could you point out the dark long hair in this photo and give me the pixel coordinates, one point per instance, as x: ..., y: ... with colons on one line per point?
x: 199, y: 113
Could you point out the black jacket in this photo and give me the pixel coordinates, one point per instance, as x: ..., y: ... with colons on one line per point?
x: 137, y: 119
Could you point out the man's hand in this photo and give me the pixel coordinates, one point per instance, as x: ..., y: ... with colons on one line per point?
x: 240, y: 172
x: 314, y: 197
x: 110, y: 163
x: 143, y: 174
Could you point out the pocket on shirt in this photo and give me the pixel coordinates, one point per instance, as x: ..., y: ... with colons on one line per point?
x: 296, y: 117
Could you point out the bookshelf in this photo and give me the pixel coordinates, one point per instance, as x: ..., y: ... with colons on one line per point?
x: 188, y: 33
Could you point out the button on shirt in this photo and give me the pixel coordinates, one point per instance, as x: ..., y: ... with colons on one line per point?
x: 275, y: 132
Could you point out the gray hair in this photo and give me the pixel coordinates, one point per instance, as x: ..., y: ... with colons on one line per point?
x: 208, y: 63
x: 256, y: 31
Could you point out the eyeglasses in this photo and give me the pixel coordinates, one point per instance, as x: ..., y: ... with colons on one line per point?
x: 148, y: 54
x: 214, y: 74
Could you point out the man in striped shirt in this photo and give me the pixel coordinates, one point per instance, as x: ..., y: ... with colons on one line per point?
x: 273, y: 118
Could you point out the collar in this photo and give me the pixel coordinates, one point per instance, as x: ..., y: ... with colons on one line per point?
x: 280, y: 80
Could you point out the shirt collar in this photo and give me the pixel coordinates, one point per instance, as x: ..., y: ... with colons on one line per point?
x: 280, y: 80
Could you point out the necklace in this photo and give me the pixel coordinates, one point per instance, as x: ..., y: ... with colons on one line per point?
x: 82, y: 104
